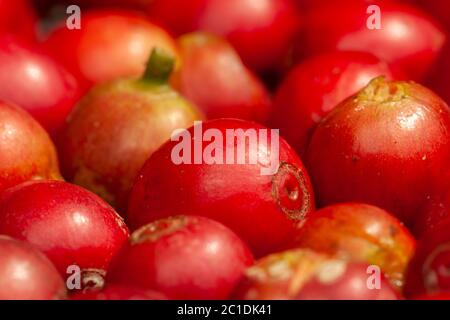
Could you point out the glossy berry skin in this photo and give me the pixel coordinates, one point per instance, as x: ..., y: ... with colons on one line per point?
x: 184, y: 257
x: 360, y: 232
x: 115, y: 129
x: 35, y: 82
x: 18, y: 18
x: 214, y: 78
x: 111, y: 44
x: 427, y: 272
x: 261, y: 31
x: 315, y: 86
x: 119, y: 292
x: 26, y: 151
x: 263, y: 209
x: 69, y: 224
x: 307, y: 275
x: 345, y: 27
x: 350, y: 282
x: 387, y: 146
x: 26, y: 274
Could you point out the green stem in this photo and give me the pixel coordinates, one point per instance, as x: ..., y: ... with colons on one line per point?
x: 159, y: 67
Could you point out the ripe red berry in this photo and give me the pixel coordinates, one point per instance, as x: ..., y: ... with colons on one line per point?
x: 118, y: 292
x: 304, y: 274
x: 214, y: 78
x: 361, y: 233
x: 350, y: 27
x: 342, y: 280
x: 184, y: 257
x: 26, y: 274
x: 69, y: 224
x: 388, y: 146
x: 315, y: 86
x: 261, y: 31
x: 242, y: 182
x: 428, y: 270
x: 111, y: 44
x: 36, y: 83
x: 26, y: 151
x: 118, y: 125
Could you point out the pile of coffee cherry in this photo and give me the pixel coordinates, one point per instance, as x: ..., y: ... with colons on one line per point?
x: 224, y: 149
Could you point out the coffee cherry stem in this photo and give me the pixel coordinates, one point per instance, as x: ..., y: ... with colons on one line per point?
x: 382, y: 91
x: 159, y: 67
